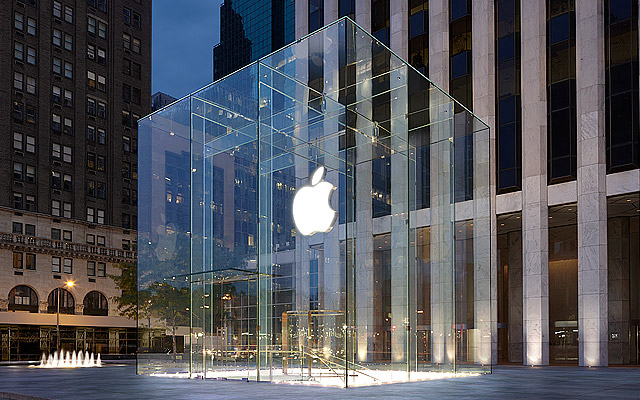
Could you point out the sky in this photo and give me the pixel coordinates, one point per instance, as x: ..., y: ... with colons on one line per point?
x: 184, y: 33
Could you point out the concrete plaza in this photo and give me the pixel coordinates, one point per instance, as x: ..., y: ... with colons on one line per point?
x: 120, y: 382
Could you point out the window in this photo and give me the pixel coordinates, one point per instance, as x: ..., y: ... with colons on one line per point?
x: 17, y: 228
x: 55, y: 208
x: 136, y: 96
x: 91, y: 268
x: 57, y: 66
x: 57, y: 9
x: 102, y: 190
x: 91, y: 188
x: 102, y: 56
x: 126, y: 15
x: 31, y: 144
x: 126, y: 41
x: 17, y: 201
x: 30, y: 176
x: 18, y: 51
x: 17, y: 171
x: 32, y: 26
x: 31, y: 55
x: 29, y: 229
x: 102, y: 136
x: 91, y: 106
x: 126, y: 221
x: 66, y: 154
x: 134, y: 171
x: 91, y: 238
x: 95, y: 303
x: 102, y: 29
x: 126, y: 95
x: 126, y: 118
x: 18, y: 21
x: 57, y: 38
x: 31, y: 114
x: 30, y: 203
x: 68, y: 126
x: 126, y: 66
x: 134, y: 197
x: 126, y: 170
x: 102, y: 5
x: 68, y: 98
x: 17, y: 260
x: 137, y: 20
x: 126, y: 143
x: 18, y: 111
x: 102, y: 270
x: 23, y: 298
x: 91, y: 52
x: 55, y: 264
x: 66, y: 209
x: 100, y: 216
x: 100, y: 240
x: 67, y: 236
x: 30, y: 261
x: 68, y: 14
x: 67, y: 303
x: 91, y: 213
x: 136, y: 46
x: 55, y: 180
x: 126, y: 196
x: 67, y: 183
x: 55, y: 234
x: 136, y: 70
x: 17, y: 140
x: 31, y: 85
x: 126, y: 244
x: 91, y: 25
x: 102, y: 83
x: 56, y: 122
x: 68, y: 42
x: 91, y: 79
x: 56, y: 151
x: 68, y: 70
x: 91, y: 161
x: 102, y: 110
x: 91, y: 133
x: 18, y: 81
x: 68, y: 266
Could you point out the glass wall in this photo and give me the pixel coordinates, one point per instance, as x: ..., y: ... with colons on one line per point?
x: 563, y: 284
x: 262, y: 249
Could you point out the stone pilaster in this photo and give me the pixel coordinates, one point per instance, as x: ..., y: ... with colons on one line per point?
x: 592, y: 191
x: 302, y: 18
x: 618, y: 265
x: 330, y: 11
x: 514, y: 246
x: 363, y: 14
x: 439, y: 43
x: 485, y: 243
x: 399, y: 27
x: 535, y: 279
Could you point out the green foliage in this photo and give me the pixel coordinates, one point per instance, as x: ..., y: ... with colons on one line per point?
x: 127, y: 282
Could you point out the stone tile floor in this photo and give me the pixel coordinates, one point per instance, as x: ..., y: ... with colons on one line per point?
x: 507, y: 382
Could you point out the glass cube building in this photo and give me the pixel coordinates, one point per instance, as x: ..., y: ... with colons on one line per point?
x: 321, y: 216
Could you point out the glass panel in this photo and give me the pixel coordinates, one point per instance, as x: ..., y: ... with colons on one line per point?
x: 261, y: 236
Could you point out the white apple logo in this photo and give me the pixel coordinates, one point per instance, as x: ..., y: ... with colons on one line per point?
x: 312, y: 212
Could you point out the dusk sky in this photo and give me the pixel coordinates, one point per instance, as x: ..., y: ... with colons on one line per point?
x: 184, y: 33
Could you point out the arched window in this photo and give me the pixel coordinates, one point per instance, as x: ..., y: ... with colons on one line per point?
x: 67, y: 303
x: 23, y: 298
x: 95, y: 303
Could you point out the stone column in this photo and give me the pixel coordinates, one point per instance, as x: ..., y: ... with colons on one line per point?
x: 439, y: 43
x: 302, y: 18
x: 399, y: 27
x: 363, y: 14
x: 514, y: 258
x: 330, y: 11
x: 485, y: 245
x: 535, y: 277
x: 592, y: 191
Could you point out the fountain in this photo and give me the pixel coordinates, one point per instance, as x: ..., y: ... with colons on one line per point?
x: 70, y: 360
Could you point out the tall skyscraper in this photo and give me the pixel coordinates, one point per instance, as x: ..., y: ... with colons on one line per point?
x: 76, y: 78
x: 249, y: 30
x: 557, y: 81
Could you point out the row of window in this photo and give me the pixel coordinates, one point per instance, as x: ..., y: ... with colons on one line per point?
x: 62, y: 96
x: 65, y: 235
x: 22, y: 172
x: 29, y: 229
x: 61, y: 124
x: 20, y: 82
x: 22, y: 113
x: 24, y: 298
x: 96, y: 189
x: 59, y: 12
x: 23, y: 201
x: 96, y: 26
x: 131, y: 43
x: 131, y: 18
x: 97, y: 54
x: 61, y: 39
x: 20, y: 23
x: 99, y: 4
x: 24, y: 142
x: 61, y: 181
x: 19, y: 53
x: 96, y: 215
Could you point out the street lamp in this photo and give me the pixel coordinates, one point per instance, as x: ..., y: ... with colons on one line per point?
x: 68, y: 284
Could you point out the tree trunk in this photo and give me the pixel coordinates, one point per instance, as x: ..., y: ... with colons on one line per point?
x: 175, y: 348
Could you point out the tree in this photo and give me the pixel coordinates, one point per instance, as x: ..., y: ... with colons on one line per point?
x: 127, y: 282
x: 171, y: 304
